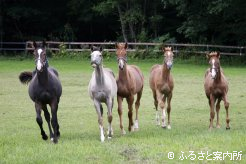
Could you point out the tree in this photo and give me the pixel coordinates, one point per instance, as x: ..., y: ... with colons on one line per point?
x: 212, y: 21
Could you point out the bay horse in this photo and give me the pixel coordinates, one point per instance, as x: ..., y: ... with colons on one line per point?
x: 102, y: 89
x: 161, y: 84
x: 44, y: 88
x: 130, y: 81
x: 216, y: 88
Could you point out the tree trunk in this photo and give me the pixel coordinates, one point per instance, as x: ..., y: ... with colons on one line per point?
x: 133, y: 35
x: 123, y: 28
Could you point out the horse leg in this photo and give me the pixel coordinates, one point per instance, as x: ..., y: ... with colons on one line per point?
x: 217, y: 112
x: 47, y: 118
x: 161, y: 103
x: 101, y: 109
x: 137, y: 104
x: 110, y: 118
x: 130, y: 101
x: 226, y: 104
x: 54, y: 120
x: 119, y: 100
x: 212, y: 101
x: 40, y: 121
x: 98, y: 108
x: 157, y: 116
x: 169, y: 110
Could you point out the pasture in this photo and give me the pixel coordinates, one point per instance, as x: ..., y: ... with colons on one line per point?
x: 20, y: 139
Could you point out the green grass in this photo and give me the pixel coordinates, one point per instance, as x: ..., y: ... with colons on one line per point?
x: 20, y: 139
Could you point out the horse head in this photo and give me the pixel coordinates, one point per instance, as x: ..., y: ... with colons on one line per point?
x: 121, y: 54
x: 40, y: 55
x: 214, y: 63
x: 96, y: 56
x: 168, y: 57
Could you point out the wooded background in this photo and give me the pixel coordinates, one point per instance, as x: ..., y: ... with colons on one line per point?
x: 173, y: 21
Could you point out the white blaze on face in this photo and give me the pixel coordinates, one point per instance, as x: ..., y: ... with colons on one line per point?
x: 121, y: 63
x: 213, y: 69
x: 39, y: 64
x: 169, y: 62
x: 168, y: 53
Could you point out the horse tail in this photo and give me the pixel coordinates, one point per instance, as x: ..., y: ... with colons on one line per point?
x: 25, y: 77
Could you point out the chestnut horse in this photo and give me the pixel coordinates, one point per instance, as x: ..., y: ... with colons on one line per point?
x: 161, y: 84
x: 130, y: 81
x: 216, y: 88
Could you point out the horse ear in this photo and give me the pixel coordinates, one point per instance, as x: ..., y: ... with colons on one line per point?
x: 100, y: 48
x: 207, y: 56
x: 218, y: 54
x: 126, y: 45
x: 116, y: 45
x: 34, y: 44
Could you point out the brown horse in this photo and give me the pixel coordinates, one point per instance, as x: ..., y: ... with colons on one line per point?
x: 130, y: 81
x: 216, y: 88
x: 161, y: 84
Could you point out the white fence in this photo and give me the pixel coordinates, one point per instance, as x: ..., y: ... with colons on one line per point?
x: 110, y: 46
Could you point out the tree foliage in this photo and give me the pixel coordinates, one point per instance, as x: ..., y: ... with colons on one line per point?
x: 207, y: 21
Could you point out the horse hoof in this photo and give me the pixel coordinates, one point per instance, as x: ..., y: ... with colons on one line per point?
x: 123, y: 132
x: 228, y: 128
x: 53, y: 140
x: 131, y: 129
x: 109, y: 137
x: 218, y: 126
x: 169, y: 127
x: 164, y: 126
x: 44, y: 137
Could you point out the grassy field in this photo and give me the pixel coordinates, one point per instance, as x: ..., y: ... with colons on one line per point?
x: 20, y: 139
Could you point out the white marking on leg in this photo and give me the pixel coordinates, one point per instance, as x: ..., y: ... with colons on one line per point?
x: 110, y: 131
x: 102, y: 133
x: 213, y: 68
x: 136, y: 125
x: 163, y: 118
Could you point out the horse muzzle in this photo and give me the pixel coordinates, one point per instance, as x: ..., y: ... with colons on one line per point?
x: 94, y: 64
x: 169, y: 65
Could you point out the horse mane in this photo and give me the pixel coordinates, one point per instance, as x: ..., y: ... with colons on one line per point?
x: 25, y: 77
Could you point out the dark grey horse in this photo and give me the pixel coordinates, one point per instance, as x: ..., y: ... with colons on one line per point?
x: 44, y: 88
x: 102, y: 88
